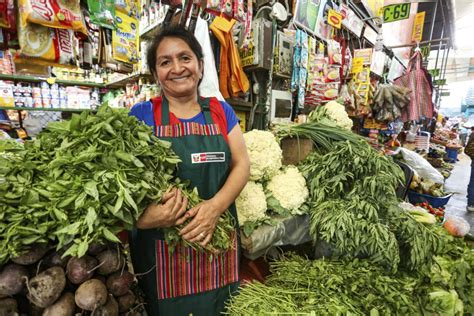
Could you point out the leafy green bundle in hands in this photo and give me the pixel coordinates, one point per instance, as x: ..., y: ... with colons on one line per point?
x: 86, y: 180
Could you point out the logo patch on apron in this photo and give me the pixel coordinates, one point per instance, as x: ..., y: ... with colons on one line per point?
x: 208, y: 157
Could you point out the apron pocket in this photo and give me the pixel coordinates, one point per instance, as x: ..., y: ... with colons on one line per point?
x: 187, y: 271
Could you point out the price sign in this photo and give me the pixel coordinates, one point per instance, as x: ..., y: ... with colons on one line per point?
x: 357, y: 65
x: 51, y: 80
x: 445, y: 94
x: 439, y: 82
x: 417, y: 32
x: 396, y: 12
x: 434, y: 72
x: 334, y: 18
x: 425, y: 51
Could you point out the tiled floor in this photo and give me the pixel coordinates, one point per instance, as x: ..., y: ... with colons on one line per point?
x: 457, y: 184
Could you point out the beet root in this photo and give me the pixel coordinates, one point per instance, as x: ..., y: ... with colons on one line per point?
x: 45, y: 288
x: 110, y: 261
x: 12, y: 279
x: 32, y: 256
x: 91, y: 295
x: 110, y: 308
x: 65, y: 306
x: 9, y: 307
x: 126, y: 302
x: 119, y: 284
x: 80, y: 270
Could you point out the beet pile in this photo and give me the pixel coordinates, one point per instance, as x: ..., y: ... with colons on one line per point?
x: 44, y: 282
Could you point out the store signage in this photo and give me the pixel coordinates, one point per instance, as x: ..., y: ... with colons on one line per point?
x: 396, y: 12
x: 357, y: 65
x: 425, y: 51
x: 351, y: 21
x: 434, y: 72
x: 445, y: 94
x: 370, y: 34
x: 334, y: 19
x: 417, y: 32
x: 439, y: 82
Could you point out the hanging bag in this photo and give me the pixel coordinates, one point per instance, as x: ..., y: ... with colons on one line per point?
x: 421, y: 103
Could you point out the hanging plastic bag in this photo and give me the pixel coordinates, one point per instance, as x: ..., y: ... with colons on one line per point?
x: 128, y: 7
x: 421, y: 166
x: 125, y: 39
x: 5, y: 8
x: 46, y: 45
x: 421, y: 103
x: 209, y: 86
x: 53, y: 13
x: 102, y: 13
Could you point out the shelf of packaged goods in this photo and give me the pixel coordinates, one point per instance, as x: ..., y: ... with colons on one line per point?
x: 129, y: 79
x: 11, y: 108
x: 19, y: 78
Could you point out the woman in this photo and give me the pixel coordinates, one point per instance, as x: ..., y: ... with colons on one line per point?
x: 214, y: 159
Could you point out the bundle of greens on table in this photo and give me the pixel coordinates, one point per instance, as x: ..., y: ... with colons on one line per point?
x: 84, y: 180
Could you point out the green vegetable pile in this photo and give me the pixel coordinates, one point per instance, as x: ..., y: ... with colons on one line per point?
x: 84, y: 180
x: 357, y: 287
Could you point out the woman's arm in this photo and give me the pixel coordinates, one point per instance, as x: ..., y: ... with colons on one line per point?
x: 207, y: 213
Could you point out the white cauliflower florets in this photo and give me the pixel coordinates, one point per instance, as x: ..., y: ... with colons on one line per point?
x: 337, y: 113
x: 289, y: 189
x: 265, y: 154
x: 251, y: 204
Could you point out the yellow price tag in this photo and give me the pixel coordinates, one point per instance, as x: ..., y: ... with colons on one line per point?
x: 417, y: 32
x: 357, y: 65
x: 51, y: 80
x: 334, y: 19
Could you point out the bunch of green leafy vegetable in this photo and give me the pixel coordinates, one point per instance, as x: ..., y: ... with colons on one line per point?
x: 329, y: 287
x: 84, y: 180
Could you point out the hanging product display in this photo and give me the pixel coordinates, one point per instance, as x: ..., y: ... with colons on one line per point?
x: 53, y: 13
x: 125, y: 41
x: 102, y: 12
x: 415, y: 79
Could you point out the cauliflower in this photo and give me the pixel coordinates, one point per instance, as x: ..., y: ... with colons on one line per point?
x: 251, y: 204
x: 265, y: 154
x: 337, y: 113
x: 287, y: 191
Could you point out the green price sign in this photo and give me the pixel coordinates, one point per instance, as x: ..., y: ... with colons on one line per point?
x: 439, y: 82
x: 445, y: 94
x: 396, y: 12
x: 434, y: 72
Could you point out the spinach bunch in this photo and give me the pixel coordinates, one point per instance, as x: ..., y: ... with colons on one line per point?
x: 84, y: 180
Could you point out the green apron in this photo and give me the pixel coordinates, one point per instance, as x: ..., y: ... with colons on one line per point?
x: 187, y: 282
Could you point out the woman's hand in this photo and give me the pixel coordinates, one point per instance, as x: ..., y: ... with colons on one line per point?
x: 166, y: 214
x: 204, y: 216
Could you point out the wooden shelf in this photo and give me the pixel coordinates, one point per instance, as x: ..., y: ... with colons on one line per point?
x: 20, y: 78
x: 129, y: 79
x: 43, y: 109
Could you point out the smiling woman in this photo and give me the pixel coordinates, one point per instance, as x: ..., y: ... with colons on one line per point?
x: 205, y: 134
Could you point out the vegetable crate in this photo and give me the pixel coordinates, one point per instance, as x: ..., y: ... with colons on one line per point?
x: 415, y: 197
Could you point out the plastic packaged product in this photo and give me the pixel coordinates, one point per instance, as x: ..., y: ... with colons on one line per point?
x: 59, y: 14
x: 5, y: 5
x: 46, y: 45
x: 125, y: 39
x: 102, y: 12
x: 333, y: 73
x: 127, y: 7
x: 6, y: 94
x: 334, y: 52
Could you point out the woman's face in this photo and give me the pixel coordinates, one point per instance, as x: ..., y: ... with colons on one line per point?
x: 177, y: 68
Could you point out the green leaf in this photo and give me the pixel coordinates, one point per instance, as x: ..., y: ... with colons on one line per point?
x: 138, y: 163
x: 61, y: 216
x: 129, y: 199
x: 71, y: 229
x: 82, y: 248
x: 64, y: 203
x: 110, y: 236
x: 80, y: 200
x: 91, y: 189
x: 91, y: 218
x: 118, y: 204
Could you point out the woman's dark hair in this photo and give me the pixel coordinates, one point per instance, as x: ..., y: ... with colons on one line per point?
x: 172, y: 31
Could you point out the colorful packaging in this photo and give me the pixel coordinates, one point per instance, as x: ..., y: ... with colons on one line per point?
x: 334, y: 52
x: 5, y: 7
x: 128, y: 7
x: 102, y: 12
x: 48, y: 46
x: 6, y: 94
x: 239, y: 10
x: 125, y: 39
x: 60, y: 14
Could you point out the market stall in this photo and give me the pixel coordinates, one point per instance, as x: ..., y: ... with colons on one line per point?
x: 345, y: 202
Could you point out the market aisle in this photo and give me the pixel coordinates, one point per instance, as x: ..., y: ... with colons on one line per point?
x: 457, y: 183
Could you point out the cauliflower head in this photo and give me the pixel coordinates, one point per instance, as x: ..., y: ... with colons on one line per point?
x: 265, y: 154
x: 289, y: 188
x: 251, y: 204
x: 337, y: 113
